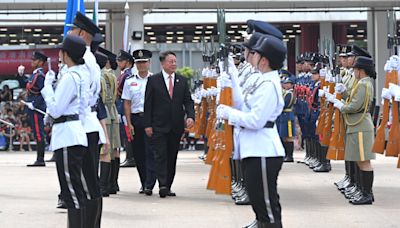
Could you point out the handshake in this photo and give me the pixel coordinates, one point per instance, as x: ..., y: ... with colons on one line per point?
x: 392, y: 92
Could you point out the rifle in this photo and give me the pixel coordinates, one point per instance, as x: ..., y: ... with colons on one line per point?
x: 336, y: 144
x: 220, y: 175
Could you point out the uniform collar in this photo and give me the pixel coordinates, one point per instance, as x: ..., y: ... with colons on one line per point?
x: 148, y: 75
x: 38, y: 69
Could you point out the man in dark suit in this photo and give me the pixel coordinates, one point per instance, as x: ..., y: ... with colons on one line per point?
x: 167, y: 100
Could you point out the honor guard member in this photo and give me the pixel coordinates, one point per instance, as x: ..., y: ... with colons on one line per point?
x: 86, y: 29
x: 359, y: 127
x: 349, y: 81
x: 110, y: 158
x: 36, y: 101
x: 68, y: 139
x: 133, y: 95
x: 260, y: 104
x: 285, y: 122
x: 321, y: 164
x: 125, y: 62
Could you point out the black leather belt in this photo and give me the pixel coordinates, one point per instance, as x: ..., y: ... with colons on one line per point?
x: 269, y: 124
x: 63, y: 119
x: 93, y: 108
x: 141, y: 114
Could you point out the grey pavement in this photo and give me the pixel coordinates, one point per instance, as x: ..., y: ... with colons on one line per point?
x: 28, y: 198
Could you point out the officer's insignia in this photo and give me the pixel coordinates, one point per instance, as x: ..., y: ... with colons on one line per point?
x: 140, y: 54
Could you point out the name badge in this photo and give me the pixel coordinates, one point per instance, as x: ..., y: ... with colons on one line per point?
x: 134, y: 84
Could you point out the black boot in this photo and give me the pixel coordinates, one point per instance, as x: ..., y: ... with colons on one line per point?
x: 92, y: 212
x: 104, y: 178
x: 76, y: 218
x: 40, y: 155
x: 367, y: 179
x: 268, y: 225
x: 325, y: 165
x: 289, y: 147
x: 244, y: 200
x: 112, y: 189
x: 117, y: 165
x: 308, y: 149
x: 129, y: 161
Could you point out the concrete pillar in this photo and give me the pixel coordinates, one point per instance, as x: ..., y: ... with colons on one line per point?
x: 115, y: 32
x: 325, y: 33
x: 136, y: 24
x: 381, y: 53
x: 370, y: 32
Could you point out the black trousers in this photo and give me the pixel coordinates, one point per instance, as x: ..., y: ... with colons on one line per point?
x: 139, y: 146
x: 165, y: 147
x: 69, y: 170
x: 261, y: 176
x: 90, y: 174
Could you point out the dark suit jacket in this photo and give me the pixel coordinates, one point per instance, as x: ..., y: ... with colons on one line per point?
x: 161, y: 112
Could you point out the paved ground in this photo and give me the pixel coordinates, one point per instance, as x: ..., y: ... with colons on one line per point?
x: 28, y: 197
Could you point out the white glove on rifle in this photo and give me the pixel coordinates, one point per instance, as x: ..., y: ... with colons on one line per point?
x: 223, y: 112
x: 340, y: 88
x: 225, y: 80
x: 386, y: 94
x: 50, y: 78
x: 330, y: 97
x: 338, y: 104
x: 321, y: 93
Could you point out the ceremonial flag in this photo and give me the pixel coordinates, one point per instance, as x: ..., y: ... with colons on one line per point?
x: 73, y: 6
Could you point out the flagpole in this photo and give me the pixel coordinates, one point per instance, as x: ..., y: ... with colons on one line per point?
x: 126, y: 27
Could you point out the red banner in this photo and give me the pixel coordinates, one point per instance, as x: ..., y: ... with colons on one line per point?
x: 11, y: 59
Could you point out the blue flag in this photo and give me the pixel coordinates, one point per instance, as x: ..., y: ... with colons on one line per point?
x: 72, y: 7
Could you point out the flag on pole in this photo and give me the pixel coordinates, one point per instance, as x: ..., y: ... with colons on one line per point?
x: 125, y: 41
x: 73, y: 6
x: 96, y: 12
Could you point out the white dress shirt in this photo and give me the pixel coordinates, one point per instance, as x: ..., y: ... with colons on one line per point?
x: 166, y: 79
x: 65, y: 100
x: 134, y: 91
x: 262, y: 102
x: 92, y: 86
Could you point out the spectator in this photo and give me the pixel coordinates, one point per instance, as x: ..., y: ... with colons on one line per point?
x: 20, y: 77
x: 6, y: 94
x: 24, y: 136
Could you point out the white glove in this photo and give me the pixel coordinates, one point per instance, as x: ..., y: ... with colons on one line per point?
x: 340, y: 88
x: 225, y: 80
x: 321, y: 93
x: 338, y: 104
x: 387, y: 66
x: 203, y: 93
x: 393, y: 88
x: 30, y: 105
x: 322, y: 72
x: 223, y: 111
x: 50, y: 77
x: 204, y: 72
x: 394, y: 62
x: 386, y: 94
x: 48, y: 119
x: 330, y: 97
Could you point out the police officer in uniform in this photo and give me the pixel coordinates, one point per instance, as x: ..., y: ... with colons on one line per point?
x: 261, y: 103
x: 359, y: 127
x: 133, y: 95
x: 125, y: 62
x: 68, y: 139
x: 86, y: 29
x: 36, y: 101
x: 285, y: 122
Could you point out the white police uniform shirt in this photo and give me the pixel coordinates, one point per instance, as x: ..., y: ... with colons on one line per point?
x: 92, y: 86
x: 134, y: 90
x: 262, y: 102
x: 65, y: 100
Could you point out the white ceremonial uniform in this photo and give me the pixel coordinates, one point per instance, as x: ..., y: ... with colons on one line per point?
x: 92, y: 87
x: 65, y: 100
x: 262, y: 102
x: 134, y: 91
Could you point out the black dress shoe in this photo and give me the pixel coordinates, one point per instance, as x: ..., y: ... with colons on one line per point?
x: 148, y: 192
x: 245, y: 200
x: 128, y: 163
x: 141, y: 191
x: 171, y: 193
x: 61, y: 204
x: 287, y: 159
x: 163, y: 192
x: 252, y: 225
x: 37, y: 164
